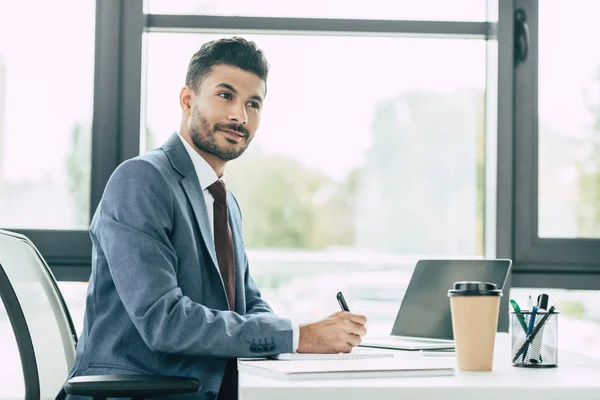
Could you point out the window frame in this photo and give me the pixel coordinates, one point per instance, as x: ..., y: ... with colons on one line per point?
x: 511, y: 214
x: 117, y: 92
x: 116, y: 125
x: 540, y: 262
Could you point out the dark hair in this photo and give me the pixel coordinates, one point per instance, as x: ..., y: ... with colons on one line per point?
x: 235, y: 52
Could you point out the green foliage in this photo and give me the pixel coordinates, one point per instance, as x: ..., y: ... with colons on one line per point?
x: 287, y: 205
x: 426, y: 159
x: 573, y: 309
x: 588, y: 202
x: 78, y: 166
x: 149, y: 138
x: 423, y: 183
x: 425, y: 171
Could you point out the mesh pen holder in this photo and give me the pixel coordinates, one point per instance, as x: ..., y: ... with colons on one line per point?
x: 539, y: 349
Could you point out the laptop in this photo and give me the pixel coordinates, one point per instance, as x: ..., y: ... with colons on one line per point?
x: 424, y: 321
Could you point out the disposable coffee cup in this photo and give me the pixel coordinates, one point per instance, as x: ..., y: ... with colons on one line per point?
x: 474, y: 307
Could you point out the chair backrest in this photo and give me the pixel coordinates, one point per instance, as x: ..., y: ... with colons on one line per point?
x: 38, y: 314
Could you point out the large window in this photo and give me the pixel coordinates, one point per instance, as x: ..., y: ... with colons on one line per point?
x: 379, y: 143
x: 46, y: 93
x: 370, y: 155
x: 557, y: 146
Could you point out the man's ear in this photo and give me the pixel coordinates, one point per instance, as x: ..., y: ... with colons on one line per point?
x: 185, y: 98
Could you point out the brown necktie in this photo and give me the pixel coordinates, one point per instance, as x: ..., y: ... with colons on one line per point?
x: 224, y: 248
x: 223, y: 240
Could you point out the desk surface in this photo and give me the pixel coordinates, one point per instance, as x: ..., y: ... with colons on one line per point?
x: 576, y: 377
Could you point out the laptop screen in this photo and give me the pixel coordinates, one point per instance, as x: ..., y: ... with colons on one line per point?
x: 425, y: 309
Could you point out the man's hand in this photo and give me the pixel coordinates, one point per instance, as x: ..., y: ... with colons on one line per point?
x: 338, y: 333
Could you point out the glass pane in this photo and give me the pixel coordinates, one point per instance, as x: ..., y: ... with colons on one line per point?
x: 46, y: 94
x: 437, y: 10
x: 11, y: 372
x: 569, y: 120
x: 359, y: 167
x: 579, y: 319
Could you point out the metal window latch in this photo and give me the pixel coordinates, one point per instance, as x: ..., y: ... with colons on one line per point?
x: 521, y: 36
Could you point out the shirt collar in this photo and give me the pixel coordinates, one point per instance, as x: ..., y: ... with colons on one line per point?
x: 206, y: 175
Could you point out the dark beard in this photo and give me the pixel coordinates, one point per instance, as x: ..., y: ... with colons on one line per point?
x: 204, y: 138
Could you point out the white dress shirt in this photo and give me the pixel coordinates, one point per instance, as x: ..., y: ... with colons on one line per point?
x: 207, y: 176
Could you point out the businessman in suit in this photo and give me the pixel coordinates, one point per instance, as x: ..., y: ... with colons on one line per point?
x: 170, y: 291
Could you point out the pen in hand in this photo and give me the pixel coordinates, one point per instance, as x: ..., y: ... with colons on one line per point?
x: 342, y: 301
x: 344, y: 306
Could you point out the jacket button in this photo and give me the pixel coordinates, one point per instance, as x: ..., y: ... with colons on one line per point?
x: 253, y: 347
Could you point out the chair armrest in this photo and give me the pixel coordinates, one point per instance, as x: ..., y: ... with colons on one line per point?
x: 130, y: 385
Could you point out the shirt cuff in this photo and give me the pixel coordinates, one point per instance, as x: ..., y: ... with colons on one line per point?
x: 295, y: 336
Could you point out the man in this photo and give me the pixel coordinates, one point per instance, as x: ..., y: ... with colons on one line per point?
x: 170, y: 291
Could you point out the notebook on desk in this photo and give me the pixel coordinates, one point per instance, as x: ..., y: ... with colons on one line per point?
x: 347, y: 369
x: 424, y: 321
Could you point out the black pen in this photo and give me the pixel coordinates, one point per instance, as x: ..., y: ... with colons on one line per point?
x: 342, y: 301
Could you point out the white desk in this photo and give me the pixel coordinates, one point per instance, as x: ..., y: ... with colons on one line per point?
x: 576, y: 378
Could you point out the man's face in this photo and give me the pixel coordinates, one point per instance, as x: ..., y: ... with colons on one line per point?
x: 225, y: 111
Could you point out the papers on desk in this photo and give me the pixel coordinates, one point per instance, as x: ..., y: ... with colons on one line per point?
x: 348, y: 369
x: 355, y: 355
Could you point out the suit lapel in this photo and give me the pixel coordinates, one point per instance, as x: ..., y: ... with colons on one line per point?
x: 180, y: 160
x: 193, y: 191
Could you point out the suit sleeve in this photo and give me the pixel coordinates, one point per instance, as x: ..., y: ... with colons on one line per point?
x: 132, y: 227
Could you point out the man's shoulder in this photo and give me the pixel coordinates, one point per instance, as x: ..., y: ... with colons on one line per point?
x: 155, y: 158
x: 139, y: 185
x: 149, y: 169
x: 149, y: 163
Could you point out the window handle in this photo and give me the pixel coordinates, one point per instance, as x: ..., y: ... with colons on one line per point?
x: 521, y: 36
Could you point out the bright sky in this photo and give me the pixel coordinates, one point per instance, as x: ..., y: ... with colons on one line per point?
x: 48, y: 51
x: 569, y: 57
x: 455, y: 10
x: 322, y: 90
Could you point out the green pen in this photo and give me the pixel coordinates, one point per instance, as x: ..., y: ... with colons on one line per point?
x: 517, y: 309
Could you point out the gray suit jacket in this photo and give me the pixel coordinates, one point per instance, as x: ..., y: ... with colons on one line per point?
x: 156, y: 303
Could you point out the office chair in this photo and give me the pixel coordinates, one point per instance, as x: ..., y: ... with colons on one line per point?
x: 46, y: 337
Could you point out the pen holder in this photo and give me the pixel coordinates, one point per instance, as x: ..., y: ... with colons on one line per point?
x: 541, y: 350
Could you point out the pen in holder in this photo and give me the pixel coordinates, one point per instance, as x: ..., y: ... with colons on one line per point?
x: 534, y: 338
